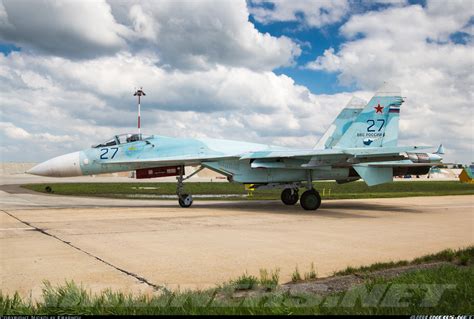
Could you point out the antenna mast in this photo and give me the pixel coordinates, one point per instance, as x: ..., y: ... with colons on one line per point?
x: 139, y: 93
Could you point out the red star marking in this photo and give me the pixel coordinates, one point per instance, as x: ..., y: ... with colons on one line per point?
x: 378, y: 109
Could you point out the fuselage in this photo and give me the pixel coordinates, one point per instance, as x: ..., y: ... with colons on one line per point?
x: 362, y: 143
x: 129, y: 153
x: 118, y: 154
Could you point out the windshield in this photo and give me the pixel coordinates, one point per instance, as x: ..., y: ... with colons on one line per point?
x: 110, y: 142
x: 127, y: 138
x: 120, y: 139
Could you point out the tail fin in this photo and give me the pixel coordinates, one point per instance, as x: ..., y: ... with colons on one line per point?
x: 377, y: 124
x: 440, y: 150
x: 341, y: 123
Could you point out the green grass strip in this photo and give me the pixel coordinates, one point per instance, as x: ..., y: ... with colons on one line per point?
x: 443, y: 290
x: 328, y: 190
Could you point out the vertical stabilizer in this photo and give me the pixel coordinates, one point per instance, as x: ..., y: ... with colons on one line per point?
x: 440, y: 150
x: 341, y: 123
x: 377, y: 124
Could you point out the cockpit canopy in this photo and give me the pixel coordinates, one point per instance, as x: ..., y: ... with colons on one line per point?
x: 120, y: 139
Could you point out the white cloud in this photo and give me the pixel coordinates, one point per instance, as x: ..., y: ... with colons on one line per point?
x: 72, y: 28
x: 410, y: 47
x: 14, y: 132
x: 18, y: 133
x: 186, y: 34
x: 81, y: 99
x: 144, y: 25
x: 207, y: 72
x: 221, y: 87
x: 311, y: 13
x: 202, y: 34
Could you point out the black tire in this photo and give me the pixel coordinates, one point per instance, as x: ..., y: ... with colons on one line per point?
x: 289, y: 196
x: 185, y: 200
x: 310, y: 200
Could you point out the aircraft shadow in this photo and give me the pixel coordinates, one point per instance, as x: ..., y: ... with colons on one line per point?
x: 328, y: 209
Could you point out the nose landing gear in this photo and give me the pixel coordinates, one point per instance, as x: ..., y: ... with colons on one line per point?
x: 184, y: 200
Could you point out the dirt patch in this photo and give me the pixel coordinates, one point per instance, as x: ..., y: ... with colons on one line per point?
x: 342, y: 283
x: 333, y: 284
x: 16, y: 189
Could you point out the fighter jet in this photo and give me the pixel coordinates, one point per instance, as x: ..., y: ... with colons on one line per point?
x: 361, y: 143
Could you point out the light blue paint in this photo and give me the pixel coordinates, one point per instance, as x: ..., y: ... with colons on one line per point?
x: 374, y: 175
x: 375, y: 126
x: 348, y: 152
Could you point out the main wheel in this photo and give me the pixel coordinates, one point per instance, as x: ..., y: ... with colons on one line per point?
x: 289, y: 196
x: 310, y: 200
x: 185, y: 200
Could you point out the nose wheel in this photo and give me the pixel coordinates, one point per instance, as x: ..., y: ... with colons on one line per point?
x: 185, y: 200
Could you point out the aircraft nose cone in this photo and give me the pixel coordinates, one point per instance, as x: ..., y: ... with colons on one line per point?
x: 61, y: 166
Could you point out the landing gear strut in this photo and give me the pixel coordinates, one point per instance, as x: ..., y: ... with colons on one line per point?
x: 184, y: 200
x: 310, y: 200
x: 289, y: 196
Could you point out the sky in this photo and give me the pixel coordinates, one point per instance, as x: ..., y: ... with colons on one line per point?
x: 274, y: 72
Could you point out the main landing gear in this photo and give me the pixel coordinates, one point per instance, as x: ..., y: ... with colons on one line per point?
x: 310, y: 199
x: 289, y: 196
x: 184, y: 200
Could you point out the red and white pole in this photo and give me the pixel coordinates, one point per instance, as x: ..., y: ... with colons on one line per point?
x: 139, y: 132
x: 139, y: 93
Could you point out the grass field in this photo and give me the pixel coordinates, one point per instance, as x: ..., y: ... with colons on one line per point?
x: 328, y: 190
x: 445, y: 289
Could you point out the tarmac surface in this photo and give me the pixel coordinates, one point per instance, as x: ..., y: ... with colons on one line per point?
x: 142, y: 245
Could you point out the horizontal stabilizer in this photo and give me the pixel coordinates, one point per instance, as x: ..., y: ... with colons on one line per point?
x: 368, y: 151
x: 374, y: 175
